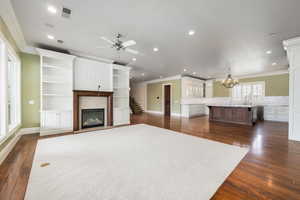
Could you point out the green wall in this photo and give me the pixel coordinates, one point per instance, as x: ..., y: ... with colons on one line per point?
x: 276, y: 85
x: 30, y: 90
x: 154, y: 90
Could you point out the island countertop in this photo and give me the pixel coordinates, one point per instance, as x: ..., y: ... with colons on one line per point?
x: 232, y: 105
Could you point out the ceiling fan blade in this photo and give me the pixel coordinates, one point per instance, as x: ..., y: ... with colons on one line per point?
x: 128, y: 43
x: 132, y: 51
x: 107, y: 40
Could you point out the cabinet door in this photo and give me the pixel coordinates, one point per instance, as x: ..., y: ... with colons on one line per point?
x: 66, y: 120
x: 51, y: 120
x: 89, y: 74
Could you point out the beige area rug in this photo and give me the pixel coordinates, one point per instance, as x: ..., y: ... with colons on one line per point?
x: 139, y: 162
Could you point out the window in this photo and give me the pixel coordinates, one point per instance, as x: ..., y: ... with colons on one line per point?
x: 252, y: 91
x: 13, y: 92
x: 2, y: 91
x: 10, y: 93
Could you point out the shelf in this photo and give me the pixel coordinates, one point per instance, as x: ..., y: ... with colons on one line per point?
x: 56, y: 82
x: 119, y: 88
x: 121, y: 97
x: 55, y: 110
x: 121, y: 108
x: 57, y: 95
x: 53, y: 67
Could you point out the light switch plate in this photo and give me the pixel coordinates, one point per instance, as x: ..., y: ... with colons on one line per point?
x: 31, y: 102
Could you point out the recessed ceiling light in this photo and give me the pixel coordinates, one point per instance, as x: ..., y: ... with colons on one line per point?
x: 50, y: 37
x: 143, y: 74
x: 269, y: 52
x: 52, y: 9
x: 194, y: 73
x: 133, y: 59
x: 184, y: 70
x: 285, y: 48
x: 192, y: 32
x: 155, y: 49
x: 274, y: 63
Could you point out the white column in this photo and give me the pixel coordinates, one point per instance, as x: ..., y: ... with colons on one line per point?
x: 293, y: 51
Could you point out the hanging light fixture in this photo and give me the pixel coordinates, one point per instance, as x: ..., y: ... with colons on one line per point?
x: 230, y: 82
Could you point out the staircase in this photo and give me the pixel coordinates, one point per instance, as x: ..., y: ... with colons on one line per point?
x: 135, y: 107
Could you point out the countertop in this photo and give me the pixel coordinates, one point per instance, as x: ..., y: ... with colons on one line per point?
x: 233, y: 105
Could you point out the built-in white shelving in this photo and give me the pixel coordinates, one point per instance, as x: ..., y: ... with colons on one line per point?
x: 56, y: 92
x: 121, y: 95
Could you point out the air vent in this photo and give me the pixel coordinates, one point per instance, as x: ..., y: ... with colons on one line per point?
x: 60, y: 41
x: 66, y: 12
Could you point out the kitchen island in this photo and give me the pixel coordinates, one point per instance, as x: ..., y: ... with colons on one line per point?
x: 238, y: 114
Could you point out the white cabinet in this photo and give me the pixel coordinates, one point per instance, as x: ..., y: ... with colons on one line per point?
x: 89, y: 74
x: 121, y: 95
x: 293, y: 52
x: 56, y: 92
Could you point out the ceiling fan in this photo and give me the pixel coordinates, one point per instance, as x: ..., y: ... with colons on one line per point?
x: 119, y: 45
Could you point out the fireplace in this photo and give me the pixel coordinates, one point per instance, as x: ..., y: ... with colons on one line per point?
x: 92, y: 118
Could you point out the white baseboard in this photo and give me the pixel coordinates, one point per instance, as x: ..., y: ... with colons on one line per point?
x: 176, y: 114
x: 161, y: 113
x: 32, y: 130
x: 154, y: 112
x: 7, y: 149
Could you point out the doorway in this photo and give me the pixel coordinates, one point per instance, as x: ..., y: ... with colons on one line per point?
x: 167, y: 100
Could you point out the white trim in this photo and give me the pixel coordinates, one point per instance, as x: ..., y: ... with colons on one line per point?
x: 161, y: 113
x: 55, y: 54
x: 279, y: 72
x: 170, y: 78
x: 176, y: 114
x: 96, y: 58
x: 292, y: 42
x: 154, y: 112
x: 163, y: 98
x: 7, y: 149
x: 8, y: 15
x: 25, y: 131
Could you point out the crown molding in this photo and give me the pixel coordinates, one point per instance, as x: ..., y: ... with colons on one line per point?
x: 8, y: 15
x: 292, y: 42
x: 163, y: 79
x: 278, y: 72
x: 96, y: 58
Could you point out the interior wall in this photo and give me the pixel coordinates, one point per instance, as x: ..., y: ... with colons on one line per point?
x: 30, y: 90
x: 276, y: 85
x: 139, y: 92
x: 155, y: 96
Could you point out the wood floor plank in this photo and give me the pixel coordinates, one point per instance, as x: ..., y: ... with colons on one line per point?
x: 271, y: 169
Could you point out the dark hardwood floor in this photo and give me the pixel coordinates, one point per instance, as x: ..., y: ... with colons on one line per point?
x: 271, y: 169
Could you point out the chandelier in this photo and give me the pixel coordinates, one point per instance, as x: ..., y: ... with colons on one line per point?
x: 230, y: 82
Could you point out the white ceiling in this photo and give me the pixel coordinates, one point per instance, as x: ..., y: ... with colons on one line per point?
x: 238, y: 32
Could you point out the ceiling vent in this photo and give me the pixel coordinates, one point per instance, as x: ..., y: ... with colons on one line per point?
x: 66, y: 12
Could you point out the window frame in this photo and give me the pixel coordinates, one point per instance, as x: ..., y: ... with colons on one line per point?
x: 263, y: 83
x: 7, y: 50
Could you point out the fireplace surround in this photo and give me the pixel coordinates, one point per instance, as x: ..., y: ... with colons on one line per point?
x: 76, y: 110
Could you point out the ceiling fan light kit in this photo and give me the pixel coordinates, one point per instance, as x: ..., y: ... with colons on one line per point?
x: 119, y: 45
